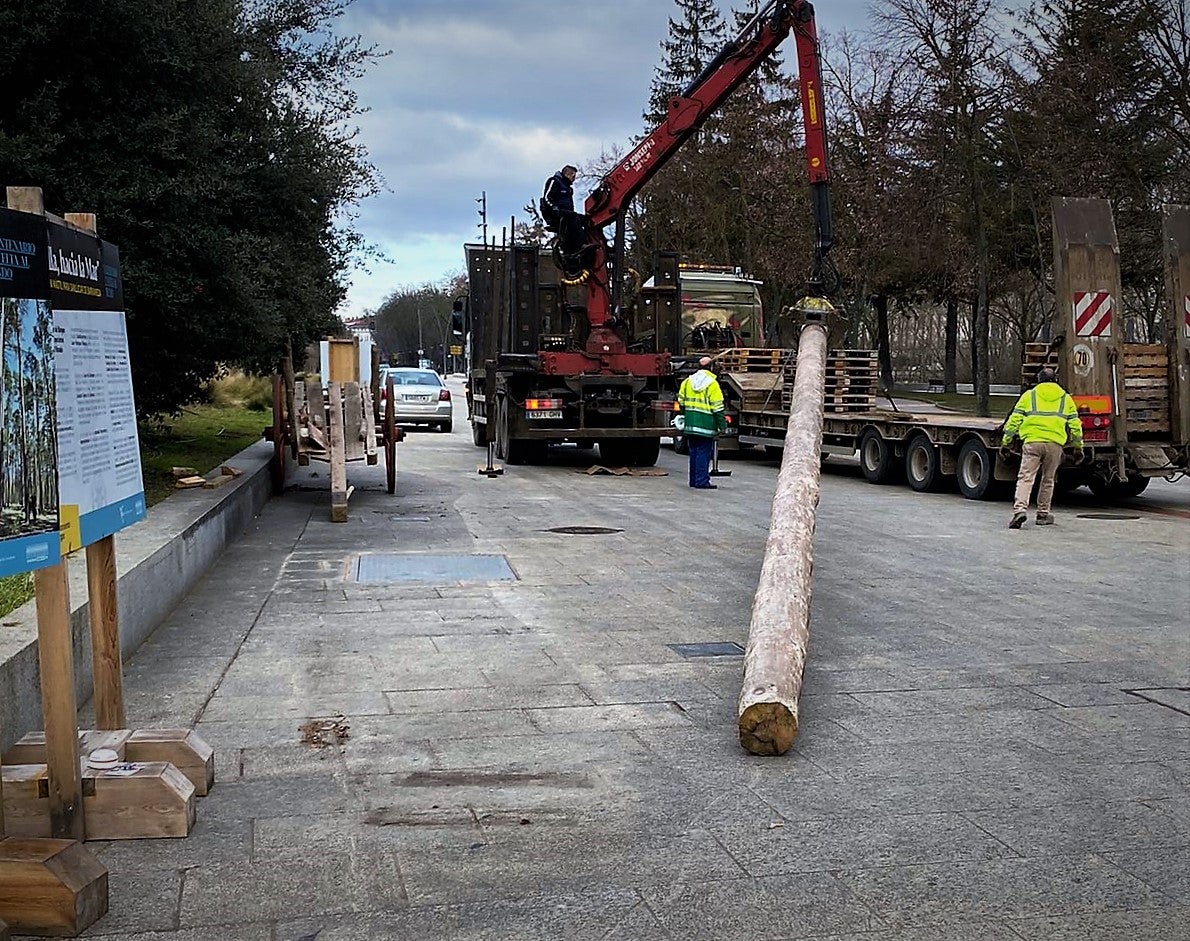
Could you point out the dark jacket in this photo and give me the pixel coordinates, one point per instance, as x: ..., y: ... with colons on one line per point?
x: 558, y: 194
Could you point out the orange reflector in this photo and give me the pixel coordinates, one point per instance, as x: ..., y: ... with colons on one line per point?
x: 1092, y: 404
x: 535, y: 405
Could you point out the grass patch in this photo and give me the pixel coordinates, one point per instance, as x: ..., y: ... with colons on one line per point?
x: 15, y: 590
x: 202, y: 437
x: 239, y: 390
x: 999, y: 405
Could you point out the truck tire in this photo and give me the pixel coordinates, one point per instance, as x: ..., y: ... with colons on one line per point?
x: 681, y: 445
x: 923, y: 465
x: 646, y: 452
x: 478, y: 434
x: 876, y: 458
x: 617, y: 452
x: 1114, y: 489
x: 976, y: 471
x: 508, y: 449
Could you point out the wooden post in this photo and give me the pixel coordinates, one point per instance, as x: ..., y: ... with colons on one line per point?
x: 336, y: 455
x: 1176, y: 238
x: 107, y: 671
x: 56, y: 655
x: 780, y: 627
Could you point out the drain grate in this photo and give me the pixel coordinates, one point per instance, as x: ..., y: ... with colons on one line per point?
x: 382, y: 568
x: 584, y: 530
x: 716, y: 648
x: 1176, y: 698
x: 1107, y: 516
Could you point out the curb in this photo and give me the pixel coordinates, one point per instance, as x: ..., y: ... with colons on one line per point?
x: 158, y: 561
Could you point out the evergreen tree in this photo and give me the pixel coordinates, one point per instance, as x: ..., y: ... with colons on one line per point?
x: 695, y: 38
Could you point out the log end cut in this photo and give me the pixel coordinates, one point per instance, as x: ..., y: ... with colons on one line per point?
x: 767, y: 728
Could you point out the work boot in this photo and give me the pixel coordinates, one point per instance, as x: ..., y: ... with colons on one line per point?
x: 1045, y: 519
x: 1018, y: 520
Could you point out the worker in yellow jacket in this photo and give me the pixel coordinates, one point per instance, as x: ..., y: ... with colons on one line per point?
x: 1045, y: 419
x: 705, y: 417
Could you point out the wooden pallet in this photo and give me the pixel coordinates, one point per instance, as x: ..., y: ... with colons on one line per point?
x: 744, y: 359
x: 1036, y: 355
x: 851, y: 381
x: 1146, y: 388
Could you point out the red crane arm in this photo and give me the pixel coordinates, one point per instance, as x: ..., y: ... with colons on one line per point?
x: 687, y: 111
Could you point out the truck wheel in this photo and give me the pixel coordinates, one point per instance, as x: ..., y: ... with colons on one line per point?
x: 681, y: 445
x: 977, y: 471
x: 876, y: 458
x: 922, y: 465
x: 616, y: 452
x: 478, y: 434
x: 508, y: 449
x: 646, y: 452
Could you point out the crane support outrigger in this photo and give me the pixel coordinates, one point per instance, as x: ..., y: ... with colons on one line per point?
x: 739, y: 59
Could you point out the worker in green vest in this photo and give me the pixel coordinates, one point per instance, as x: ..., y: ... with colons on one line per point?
x: 1045, y: 419
x: 704, y: 416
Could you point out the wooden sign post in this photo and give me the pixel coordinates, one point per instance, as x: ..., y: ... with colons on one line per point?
x: 55, y: 657
x: 106, y: 670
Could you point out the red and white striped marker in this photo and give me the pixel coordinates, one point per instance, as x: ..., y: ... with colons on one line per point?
x: 1187, y: 315
x: 1092, y: 313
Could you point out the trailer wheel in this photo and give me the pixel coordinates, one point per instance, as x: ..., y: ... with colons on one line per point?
x: 923, y: 467
x: 876, y: 458
x: 977, y: 471
x: 681, y: 445
x: 478, y: 434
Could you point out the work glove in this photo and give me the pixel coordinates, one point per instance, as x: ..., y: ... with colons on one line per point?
x: 1005, y: 452
x: 1078, y: 455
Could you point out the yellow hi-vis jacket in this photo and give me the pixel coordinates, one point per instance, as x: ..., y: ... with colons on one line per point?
x: 701, y: 401
x: 1045, y: 413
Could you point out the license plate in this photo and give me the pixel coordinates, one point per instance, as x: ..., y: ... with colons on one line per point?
x: 417, y: 398
x: 544, y: 413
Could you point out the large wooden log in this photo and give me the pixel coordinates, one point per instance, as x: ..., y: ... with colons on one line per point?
x: 780, y: 626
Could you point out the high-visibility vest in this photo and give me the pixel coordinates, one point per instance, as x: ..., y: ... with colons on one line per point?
x: 701, y: 401
x: 1045, y: 413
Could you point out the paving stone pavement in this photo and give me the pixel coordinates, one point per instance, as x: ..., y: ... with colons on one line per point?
x: 529, y: 759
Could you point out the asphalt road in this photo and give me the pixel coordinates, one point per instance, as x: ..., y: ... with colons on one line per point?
x: 995, y: 727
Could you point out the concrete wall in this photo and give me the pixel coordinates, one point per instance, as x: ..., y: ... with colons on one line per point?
x: 157, y: 562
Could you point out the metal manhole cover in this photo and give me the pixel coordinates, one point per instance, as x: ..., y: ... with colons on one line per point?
x: 584, y: 530
x: 1107, y: 516
x: 717, y: 648
x: 381, y: 568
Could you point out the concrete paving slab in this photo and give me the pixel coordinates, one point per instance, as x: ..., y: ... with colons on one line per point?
x: 593, y: 915
x: 999, y: 888
x: 1164, y: 869
x: 811, y: 905
x: 1108, y: 926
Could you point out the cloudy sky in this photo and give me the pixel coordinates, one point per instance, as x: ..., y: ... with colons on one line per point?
x: 495, y: 95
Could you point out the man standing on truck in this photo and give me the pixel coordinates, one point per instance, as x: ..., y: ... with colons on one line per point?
x: 557, y: 210
x: 704, y: 416
x: 1044, y: 418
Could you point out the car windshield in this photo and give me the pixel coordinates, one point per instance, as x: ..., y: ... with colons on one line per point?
x: 416, y: 377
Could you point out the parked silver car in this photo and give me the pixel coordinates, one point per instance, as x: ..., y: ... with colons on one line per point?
x: 421, y: 397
